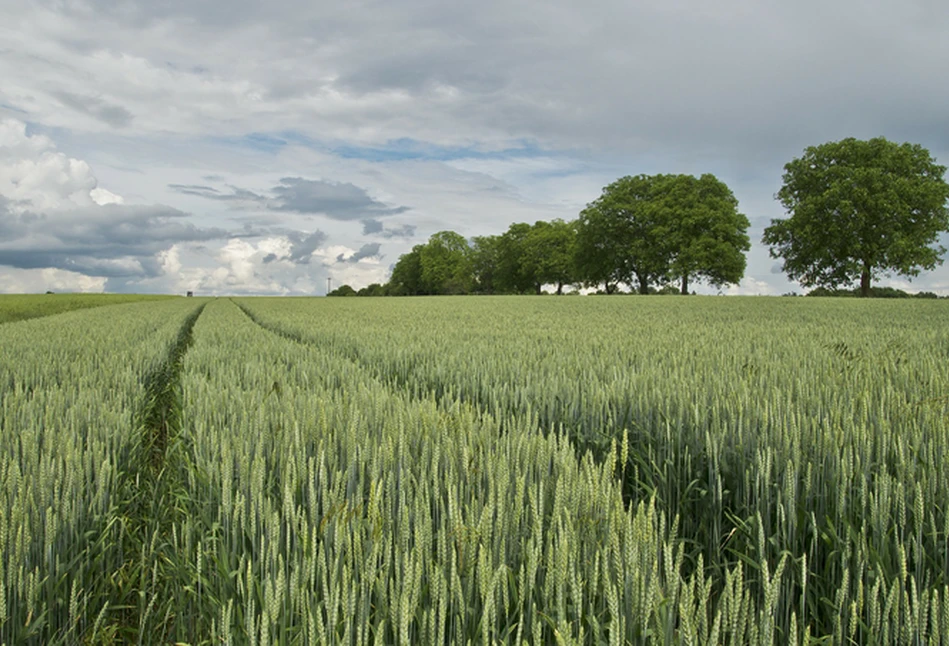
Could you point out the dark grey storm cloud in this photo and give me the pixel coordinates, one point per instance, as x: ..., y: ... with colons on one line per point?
x: 630, y: 78
x: 197, y: 189
x: 370, y: 226
x: 79, y: 260
x: 370, y: 250
x: 112, y: 240
x: 302, y: 245
x: 336, y: 200
x: 113, y: 115
x: 256, y: 227
x: 627, y: 76
x: 377, y: 228
x: 234, y: 195
x: 401, y: 231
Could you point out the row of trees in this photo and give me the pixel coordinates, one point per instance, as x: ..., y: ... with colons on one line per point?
x: 520, y: 261
x: 857, y: 210
x: 646, y: 231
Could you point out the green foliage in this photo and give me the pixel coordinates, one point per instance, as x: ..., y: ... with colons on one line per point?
x: 446, y: 264
x: 373, y: 289
x: 343, y: 290
x: 485, y: 259
x: 406, y: 279
x: 443, y: 265
x: 645, y: 230
x: 527, y: 257
x: 619, y: 238
x: 859, y: 209
x: 549, y: 253
x: 521, y: 261
x: 875, y: 292
x: 514, y: 272
x: 704, y: 232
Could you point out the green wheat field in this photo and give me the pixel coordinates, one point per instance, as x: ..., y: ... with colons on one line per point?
x: 493, y: 470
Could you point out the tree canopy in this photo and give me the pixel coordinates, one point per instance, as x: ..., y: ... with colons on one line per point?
x: 702, y: 229
x: 859, y: 209
x: 485, y: 256
x: 513, y: 274
x: 446, y: 264
x: 523, y: 259
x: 406, y: 279
x: 548, y: 254
x: 643, y: 231
x: 343, y: 290
x: 650, y: 229
x: 618, y: 238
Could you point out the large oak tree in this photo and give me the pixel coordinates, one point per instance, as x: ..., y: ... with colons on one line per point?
x: 650, y: 229
x: 859, y: 209
x: 618, y: 238
x: 705, y: 234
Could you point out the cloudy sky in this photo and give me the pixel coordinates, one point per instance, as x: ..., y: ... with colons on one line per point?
x: 235, y: 147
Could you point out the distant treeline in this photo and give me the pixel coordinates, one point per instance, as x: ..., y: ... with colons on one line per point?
x: 376, y: 289
x: 520, y: 261
x: 662, y: 233
x: 875, y: 292
x: 656, y: 233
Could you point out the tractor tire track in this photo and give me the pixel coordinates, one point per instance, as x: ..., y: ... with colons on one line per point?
x: 147, y: 510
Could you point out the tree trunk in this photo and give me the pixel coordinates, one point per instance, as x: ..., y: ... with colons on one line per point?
x: 559, y: 289
x: 609, y: 288
x: 865, y: 281
x: 685, y: 284
x: 537, y: 287
x: 643, y: 285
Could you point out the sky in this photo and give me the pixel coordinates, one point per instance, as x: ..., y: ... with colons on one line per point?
x: 238, y: 147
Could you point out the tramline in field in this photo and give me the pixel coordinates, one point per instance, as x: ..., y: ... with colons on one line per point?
x: 483, y: 470
x: 74, y: 387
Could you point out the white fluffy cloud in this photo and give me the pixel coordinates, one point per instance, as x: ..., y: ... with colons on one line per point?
x: 33, y: 173
x: 750, y: 287
x: 62, y: 232
x: 18, y: 281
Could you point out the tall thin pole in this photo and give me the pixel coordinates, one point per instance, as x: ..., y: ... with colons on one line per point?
x: 328, y: 284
